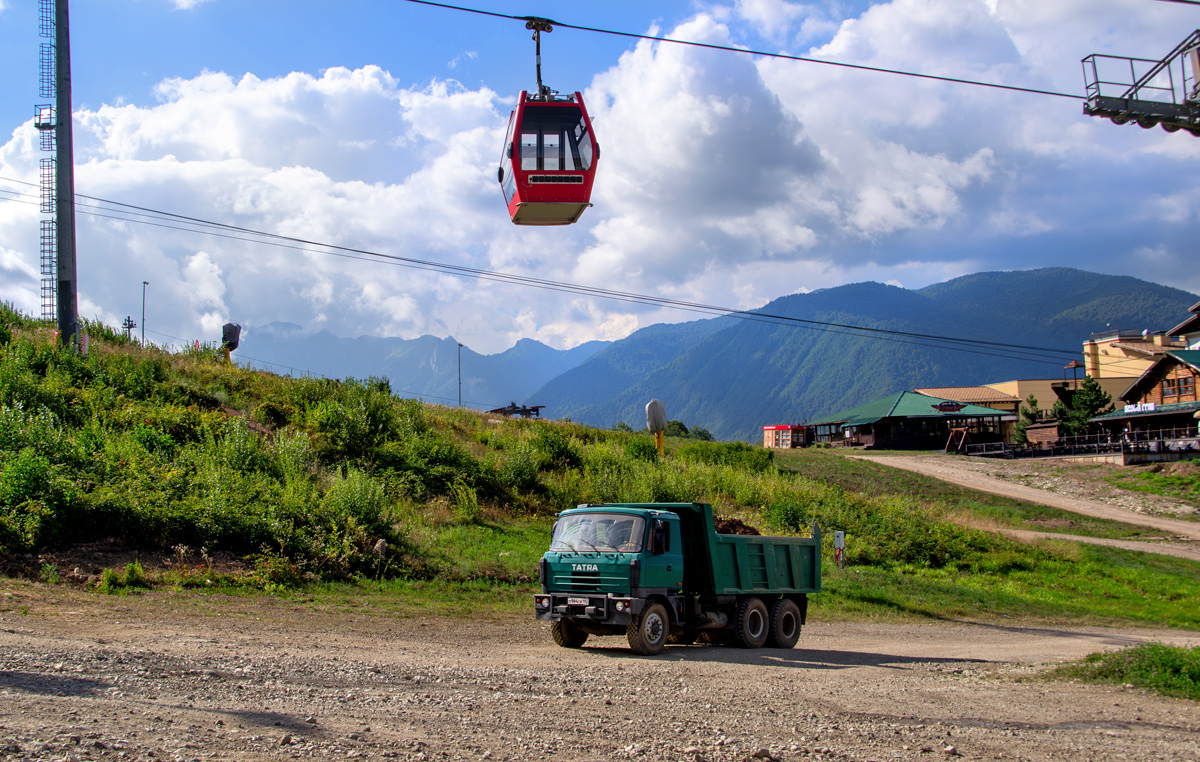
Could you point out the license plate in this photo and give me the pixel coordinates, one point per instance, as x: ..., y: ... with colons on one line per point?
x: 577, y: 601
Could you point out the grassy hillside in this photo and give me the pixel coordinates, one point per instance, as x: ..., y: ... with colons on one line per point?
x: 303, y: 479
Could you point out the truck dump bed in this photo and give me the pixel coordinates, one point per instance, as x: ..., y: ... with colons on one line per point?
x: 746, y: 564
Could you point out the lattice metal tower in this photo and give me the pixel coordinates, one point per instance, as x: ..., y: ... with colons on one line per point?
x: 46, y: 124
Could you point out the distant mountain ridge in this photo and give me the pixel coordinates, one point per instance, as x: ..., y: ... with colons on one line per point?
x: 734, y: 375
x: 425, y: 367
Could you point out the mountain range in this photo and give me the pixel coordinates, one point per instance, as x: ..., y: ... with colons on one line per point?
x: 797, y: 358
x: 425, y: 367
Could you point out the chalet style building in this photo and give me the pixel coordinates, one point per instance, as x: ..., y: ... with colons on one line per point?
x: 1162, y: 402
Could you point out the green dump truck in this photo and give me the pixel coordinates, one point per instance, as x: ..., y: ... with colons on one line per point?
x: 660, y: 573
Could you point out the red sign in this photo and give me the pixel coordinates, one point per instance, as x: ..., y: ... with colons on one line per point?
x: 948, y: 406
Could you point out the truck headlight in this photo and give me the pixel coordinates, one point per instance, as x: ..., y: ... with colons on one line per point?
x: 543, y: 603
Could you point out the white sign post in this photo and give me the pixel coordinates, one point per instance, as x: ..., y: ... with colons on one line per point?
x: 839, y: 549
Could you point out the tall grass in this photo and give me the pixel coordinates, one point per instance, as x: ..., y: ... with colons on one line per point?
x: 314, y: 479
x: 1162, y: 668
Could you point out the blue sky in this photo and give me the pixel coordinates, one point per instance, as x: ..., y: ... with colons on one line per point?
x: 725, y: 179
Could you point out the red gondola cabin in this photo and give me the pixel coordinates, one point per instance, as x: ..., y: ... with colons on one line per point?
x: 549, y: 161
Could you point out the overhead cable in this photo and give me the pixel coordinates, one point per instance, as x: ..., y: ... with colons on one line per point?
x: 759, y: 53
x: 974, y: 346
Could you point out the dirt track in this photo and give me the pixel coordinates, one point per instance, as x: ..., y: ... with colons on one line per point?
x: 1051, y: 482
x: 86, y: 676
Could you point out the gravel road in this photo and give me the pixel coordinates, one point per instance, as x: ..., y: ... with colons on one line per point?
x: 1061, y: 483
x: 164, y: 676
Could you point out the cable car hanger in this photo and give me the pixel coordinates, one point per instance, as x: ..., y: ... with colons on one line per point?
x: 539, y: 25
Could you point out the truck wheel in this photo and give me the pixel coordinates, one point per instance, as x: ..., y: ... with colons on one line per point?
x: 783, y: 630
x: 567, y: 634
x: 750, y: 627
x: 647, y: 635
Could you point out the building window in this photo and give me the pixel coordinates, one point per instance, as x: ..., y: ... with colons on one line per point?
x: 1169, y: 388
x: 1187, y: 386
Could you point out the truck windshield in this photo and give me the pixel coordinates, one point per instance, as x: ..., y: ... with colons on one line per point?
x: 606, y: 532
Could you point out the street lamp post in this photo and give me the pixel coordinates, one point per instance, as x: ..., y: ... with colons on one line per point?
x: 144, y: 284
x: 460, y: 375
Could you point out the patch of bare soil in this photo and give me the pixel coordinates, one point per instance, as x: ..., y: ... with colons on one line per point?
x: 83, y: 563
x: 169, y: 677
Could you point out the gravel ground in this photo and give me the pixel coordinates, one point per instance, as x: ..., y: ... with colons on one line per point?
x: 182, y: 677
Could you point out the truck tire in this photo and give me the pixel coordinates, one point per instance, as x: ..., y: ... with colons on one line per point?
x: 647, y: 635
x: 751, y: 624
x: 566, y: 634
x: 783, y: 630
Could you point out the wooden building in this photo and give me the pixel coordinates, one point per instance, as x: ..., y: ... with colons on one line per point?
x: 1163, y: 402
x: 908, y: 420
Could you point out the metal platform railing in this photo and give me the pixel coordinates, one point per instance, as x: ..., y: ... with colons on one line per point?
x: 1147, y: 91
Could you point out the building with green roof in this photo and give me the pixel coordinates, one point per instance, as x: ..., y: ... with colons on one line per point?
x: 909, y: 420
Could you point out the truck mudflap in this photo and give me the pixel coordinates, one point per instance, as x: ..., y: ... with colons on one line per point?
x: 601, y: 609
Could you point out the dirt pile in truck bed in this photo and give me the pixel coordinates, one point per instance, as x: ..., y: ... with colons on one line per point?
x: 734, y: 526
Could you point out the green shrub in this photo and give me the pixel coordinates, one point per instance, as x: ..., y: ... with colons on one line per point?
x: 110, y: 582
x: 735, y: 454
x: 31, y: 502
x: 155, y: 441
x: 356, y: 495
x: 642, y: 448
x: 885, y: 531
x: 274, y: 571
x: 49, y: 574
x: 273, y: 414
x: 39, y: 429
x: 520, y: 467
x: 555, y: 448
x: 466, y: 503
x: 134, y: 575
x: 354, y: 426
x: 293, y: 456
x: 240, y: 449
x: 1162, y: 668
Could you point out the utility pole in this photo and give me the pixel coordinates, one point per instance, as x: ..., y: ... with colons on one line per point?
x: 129, y: 325
x: 144, y: 284
x: 68, y: 307
x: 460, y: 375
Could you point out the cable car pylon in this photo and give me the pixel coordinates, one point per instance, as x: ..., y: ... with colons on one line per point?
x: 1161, y: 92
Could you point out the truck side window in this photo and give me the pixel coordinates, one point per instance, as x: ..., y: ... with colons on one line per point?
x: 662, y: 538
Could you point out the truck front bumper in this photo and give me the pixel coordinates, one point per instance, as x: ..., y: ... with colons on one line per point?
x: 601, y: 609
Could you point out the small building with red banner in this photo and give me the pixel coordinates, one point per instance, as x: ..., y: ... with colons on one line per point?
x: 786, y: 436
